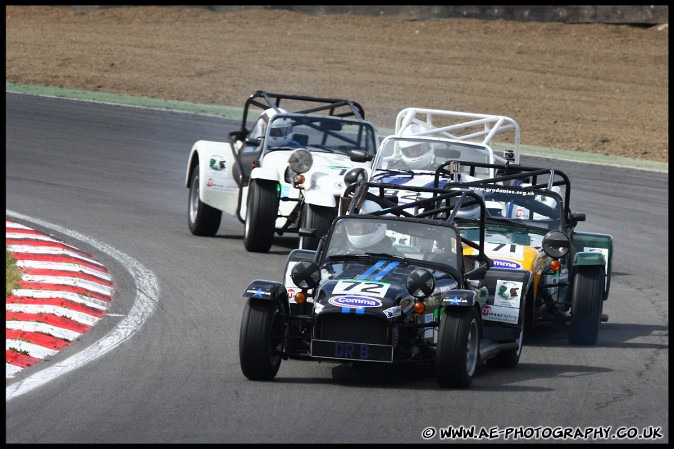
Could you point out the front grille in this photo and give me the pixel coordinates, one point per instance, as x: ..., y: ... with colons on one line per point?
x: 354, y: 328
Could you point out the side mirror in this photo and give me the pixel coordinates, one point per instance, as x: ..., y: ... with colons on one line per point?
x: 477, y: 273
x: 575, y: 218
x: 360, y: 156
x: 254, y: 142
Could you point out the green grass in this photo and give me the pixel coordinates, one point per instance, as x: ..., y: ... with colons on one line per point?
x: 13, y: 274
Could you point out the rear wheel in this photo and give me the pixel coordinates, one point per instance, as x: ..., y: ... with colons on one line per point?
x: 319, y: 218
x: 586, y: 305
x: 261, y: 212
x: 203, y: 219
x: 509, y: 358
x: 260, y: 340
x: 458, y: 350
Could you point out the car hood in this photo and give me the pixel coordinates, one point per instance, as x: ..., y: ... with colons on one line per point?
x: 373, y: 288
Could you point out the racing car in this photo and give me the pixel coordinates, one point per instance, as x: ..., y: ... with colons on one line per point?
x: 390, y: 283
x: 530, y: 226
x: 425, y: 139
x: 283, y: 173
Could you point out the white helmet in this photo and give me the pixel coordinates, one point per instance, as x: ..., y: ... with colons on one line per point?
x: 415, y: 154
x: 469, y: 212
x: 279, y: 129
x: 364, y: 233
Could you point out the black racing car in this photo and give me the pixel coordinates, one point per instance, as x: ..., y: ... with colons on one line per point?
x: 403, y: 290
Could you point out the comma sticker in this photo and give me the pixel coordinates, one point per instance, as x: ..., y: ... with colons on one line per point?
x: 354, y: 301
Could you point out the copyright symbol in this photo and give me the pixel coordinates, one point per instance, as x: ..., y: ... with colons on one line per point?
x: 428, y: 433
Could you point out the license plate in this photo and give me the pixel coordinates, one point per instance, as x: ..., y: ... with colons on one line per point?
x: 351, y: 351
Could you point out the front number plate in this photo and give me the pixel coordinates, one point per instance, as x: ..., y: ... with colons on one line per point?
x: 351, y: 351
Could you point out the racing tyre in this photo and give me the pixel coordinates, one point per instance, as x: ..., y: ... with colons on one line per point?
x: 319, y: 218
x: 458, y: 350
x: 586, y: 305
x: 203, y: 219
x: 260, y: 340
x: 509, y: 358
x: 261, y: 211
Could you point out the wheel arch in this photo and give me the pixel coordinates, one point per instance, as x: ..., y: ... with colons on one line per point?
x: 264, y: 290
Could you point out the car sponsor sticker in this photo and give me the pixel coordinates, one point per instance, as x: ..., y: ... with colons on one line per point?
x: 505, y: 263
x: 354, y: 302
x: 508, y: 293
x: 358, y: 287
x: 428, y: 332
x: 217, y: 163
x: 501, y: 314
x: 392, y: 312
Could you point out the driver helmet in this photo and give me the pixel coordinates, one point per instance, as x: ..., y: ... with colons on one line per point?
x: 469, y: 212
x: 279, y: 129
x: 365, y: 233
x: 416, y: 155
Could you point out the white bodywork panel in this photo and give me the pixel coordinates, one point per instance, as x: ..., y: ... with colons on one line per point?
x: 217, y: 187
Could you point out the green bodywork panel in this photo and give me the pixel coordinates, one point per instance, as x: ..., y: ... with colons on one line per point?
x: 594, y: 249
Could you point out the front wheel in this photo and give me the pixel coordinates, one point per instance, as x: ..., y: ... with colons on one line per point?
x: 586, y: 305
x: 203, y: 219
x: 260, y: 340
x: 319, y: 218
x: 458, y: 350
x: 261, y: 212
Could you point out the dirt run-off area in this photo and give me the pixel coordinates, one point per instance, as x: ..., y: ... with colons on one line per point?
x: 599, y: 88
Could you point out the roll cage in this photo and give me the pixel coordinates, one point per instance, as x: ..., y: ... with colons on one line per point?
x: 514, y: 176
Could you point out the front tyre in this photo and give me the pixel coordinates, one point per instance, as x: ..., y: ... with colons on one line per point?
x: 458, y: 350
x: 586, y: 305
x: 261, y: 212
x: 260, y: 340
x: 203, y: 219
x: 319, y: 218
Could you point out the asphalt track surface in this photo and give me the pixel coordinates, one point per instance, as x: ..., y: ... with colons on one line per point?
x: 162, y: 365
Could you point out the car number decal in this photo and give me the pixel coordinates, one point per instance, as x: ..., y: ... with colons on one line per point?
x: 504, y: 250
x: 356, y: 287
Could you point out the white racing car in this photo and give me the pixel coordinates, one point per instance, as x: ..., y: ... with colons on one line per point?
x: 286, y: 172
x: 426, y: 139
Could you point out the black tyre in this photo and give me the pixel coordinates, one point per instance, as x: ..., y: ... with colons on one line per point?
x: 319, y: 218
x: 529, y: 310
x: 458, y: 350
x: 260, y: 340
x: 203, y: 219
x: 586, y: 305
x: 509, y: 358
x: 261, y: 212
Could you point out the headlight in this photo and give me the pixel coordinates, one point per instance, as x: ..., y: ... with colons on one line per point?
x: 306, y: 275
x: 556, y: 244
x: 420, y: 283
x: 300, y: 161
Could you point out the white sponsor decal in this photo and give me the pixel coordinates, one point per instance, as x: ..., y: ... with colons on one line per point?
x: 502, y: 314
x: 508, y: 293
x: 356, y: 287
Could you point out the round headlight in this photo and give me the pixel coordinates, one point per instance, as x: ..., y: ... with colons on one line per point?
x: 306, y: 274
x: 420, y: 283
x: 300, y: 161
x: 556, y: 244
